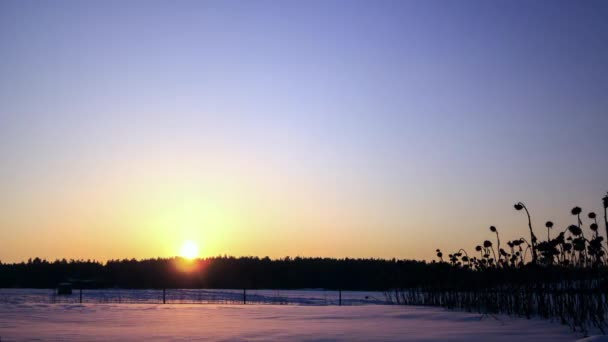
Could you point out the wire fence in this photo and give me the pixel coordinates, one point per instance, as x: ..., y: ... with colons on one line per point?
x: 193, y: 296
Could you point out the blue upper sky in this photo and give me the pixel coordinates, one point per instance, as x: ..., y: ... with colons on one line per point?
x: 408, y: 125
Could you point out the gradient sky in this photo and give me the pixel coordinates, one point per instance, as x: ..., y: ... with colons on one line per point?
x: 311, y: 128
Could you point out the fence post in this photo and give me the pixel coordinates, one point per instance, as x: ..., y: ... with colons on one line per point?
x: 164, y: 296
x: 244, y: 296
x: 340, y: 297
x: 80, y: 295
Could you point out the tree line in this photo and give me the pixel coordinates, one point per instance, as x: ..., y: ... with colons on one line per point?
x: 221, y: 272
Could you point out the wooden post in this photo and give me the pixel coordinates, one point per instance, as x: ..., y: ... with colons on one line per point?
x: 164, y: 296
x: 340, y: 297
x: 244, y: 296
x: 80, y: 295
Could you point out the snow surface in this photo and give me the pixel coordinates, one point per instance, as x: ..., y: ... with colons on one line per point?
x: 594, y: 339
x: 203, y: 322
x: 136, y: 315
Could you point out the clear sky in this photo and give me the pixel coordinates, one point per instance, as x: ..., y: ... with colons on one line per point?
x: 311, y: 128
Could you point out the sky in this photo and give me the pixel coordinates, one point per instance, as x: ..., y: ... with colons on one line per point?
x: 296, y: 128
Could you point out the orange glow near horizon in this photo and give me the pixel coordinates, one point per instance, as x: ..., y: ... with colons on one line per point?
x: 149, y: 208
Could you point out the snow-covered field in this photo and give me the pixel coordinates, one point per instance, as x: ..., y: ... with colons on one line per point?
x: 30, y: 320
x: 192, y: 322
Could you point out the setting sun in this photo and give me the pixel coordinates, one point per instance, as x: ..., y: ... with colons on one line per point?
x: 189, y: 250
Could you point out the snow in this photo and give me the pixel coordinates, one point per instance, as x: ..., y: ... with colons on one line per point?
x: 203, y: 322
x: 218, y: 315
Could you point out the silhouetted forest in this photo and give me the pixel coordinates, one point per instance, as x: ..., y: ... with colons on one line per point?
x: 221, y: 272
x: 287, y: 273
